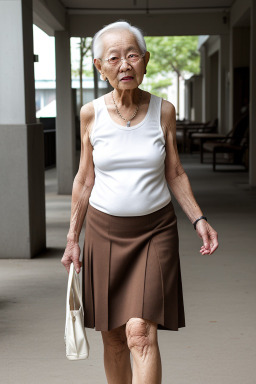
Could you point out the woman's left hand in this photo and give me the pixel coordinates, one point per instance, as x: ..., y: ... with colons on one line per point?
x: 209, y: 237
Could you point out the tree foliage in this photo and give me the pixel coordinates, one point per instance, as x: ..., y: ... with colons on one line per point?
x: 168, y: 54
x: 172, y: 53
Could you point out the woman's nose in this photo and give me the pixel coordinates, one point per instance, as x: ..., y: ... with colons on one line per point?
x: 124, y: 64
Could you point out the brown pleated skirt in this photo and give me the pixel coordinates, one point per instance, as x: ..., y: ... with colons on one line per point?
x: 131, y: 268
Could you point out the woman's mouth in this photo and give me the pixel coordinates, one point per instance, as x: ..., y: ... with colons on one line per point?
x: 127, y: 78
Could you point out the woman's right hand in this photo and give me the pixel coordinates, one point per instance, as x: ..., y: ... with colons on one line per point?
x: 71, y: 255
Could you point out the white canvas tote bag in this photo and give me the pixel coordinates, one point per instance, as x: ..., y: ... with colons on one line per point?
x: 77, y: 346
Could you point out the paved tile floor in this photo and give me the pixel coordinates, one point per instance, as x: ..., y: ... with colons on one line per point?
x: 218, y: 344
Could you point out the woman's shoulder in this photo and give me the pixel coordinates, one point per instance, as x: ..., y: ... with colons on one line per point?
x: 87, y: 117
x: 168, y: 117
x: 87, y: 110
x: 168, y: 109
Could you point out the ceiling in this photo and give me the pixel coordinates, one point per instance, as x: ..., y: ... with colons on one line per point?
x: 154, y: 17
x: 146, y: 5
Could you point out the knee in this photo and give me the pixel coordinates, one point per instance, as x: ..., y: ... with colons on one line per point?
x: 141, y: 335
x: 114, y: 341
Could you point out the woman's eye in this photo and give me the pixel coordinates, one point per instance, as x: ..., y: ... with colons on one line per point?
x: 113, y: 59
x: 133, y: 56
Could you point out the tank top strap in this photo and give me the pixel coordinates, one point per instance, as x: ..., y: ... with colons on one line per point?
x: 155, y: 109
x: 99, y: 112
x: 98, y: 105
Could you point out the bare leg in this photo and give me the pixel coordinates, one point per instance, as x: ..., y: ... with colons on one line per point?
x: 117, y: 356
x: 142, y: 342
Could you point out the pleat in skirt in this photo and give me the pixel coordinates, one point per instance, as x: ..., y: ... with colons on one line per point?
x: 131, y: 268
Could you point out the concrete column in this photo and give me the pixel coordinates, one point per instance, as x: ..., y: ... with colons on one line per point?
x: 205, y: 84
x: 223, y: 88
x: 65, y: 122
x: 231, y: 76
x: 22, y: 197
x: 213, y: 84
x: 252, y: 149
x: 197, y: 97
x: 187, y: 99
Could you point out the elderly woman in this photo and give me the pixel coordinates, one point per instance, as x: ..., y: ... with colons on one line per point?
x: 129, y: 164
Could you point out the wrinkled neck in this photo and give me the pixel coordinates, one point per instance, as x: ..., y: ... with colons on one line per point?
x: 127, y: 97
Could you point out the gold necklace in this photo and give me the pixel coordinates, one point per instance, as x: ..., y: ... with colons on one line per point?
x: 134, y: 114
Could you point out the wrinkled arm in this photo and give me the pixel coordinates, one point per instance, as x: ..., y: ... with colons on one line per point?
x: 179, y: 184
x: 82, y: 187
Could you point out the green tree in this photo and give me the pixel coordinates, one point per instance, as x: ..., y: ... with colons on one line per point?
x: 177, y: 54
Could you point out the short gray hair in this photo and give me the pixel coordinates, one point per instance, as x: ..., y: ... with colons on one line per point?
x: 97, y: 41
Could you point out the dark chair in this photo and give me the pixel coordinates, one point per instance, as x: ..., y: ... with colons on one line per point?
x: 185, y: 129
x: 235, y: 143
x: 193, y: 134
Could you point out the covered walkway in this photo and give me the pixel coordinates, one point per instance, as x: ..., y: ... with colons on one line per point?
x: 218, y: 344
x: 226, y: 85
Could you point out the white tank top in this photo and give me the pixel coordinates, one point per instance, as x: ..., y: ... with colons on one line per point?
x: 128, y: 163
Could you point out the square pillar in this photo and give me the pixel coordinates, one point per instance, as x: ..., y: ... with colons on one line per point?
x: 197, y: 97
x: 252, y: 149
x: 231, y: 79
x: 205, y: 62
x: 65, y: 121
x: 22, y: 193
x: 223, y: 88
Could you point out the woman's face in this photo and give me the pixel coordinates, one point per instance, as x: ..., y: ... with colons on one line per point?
x: 123, y: 75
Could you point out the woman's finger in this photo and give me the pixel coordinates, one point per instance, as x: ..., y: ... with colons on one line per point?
x: 77, y: 265
x: 205, y: 251
x: 206, y: 241
x: 214, y: 241
x: 66, y: 262
x: 214, y: 246
x: 75, y: 257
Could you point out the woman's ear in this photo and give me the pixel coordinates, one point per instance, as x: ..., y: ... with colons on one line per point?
x: 98, y: 65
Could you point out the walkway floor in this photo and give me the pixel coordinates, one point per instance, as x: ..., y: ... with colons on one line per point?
x: 217, y: 346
